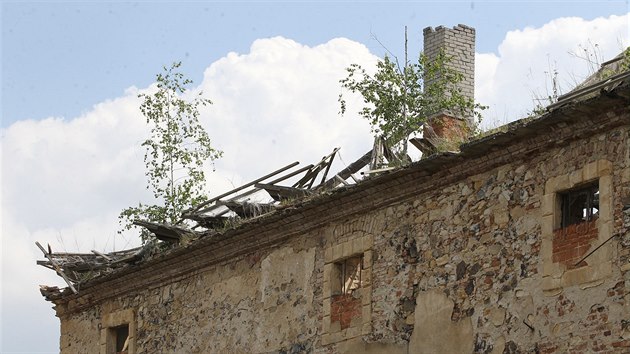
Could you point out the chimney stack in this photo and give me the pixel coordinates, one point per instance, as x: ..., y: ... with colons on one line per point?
x: 458, y: 44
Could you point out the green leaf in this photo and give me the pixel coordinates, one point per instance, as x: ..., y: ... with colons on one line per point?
x: 175, y: 152
x: 399, y: 101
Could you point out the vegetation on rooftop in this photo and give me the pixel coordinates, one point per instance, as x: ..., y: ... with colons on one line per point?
x: 399, y: 99
x: 175, y: 152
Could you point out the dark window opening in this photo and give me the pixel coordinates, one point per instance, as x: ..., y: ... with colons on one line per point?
x: 580, y: 205
x: 122, y: 338
x: 350, y: 274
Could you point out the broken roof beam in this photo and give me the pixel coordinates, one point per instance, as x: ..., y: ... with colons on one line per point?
x: 311, y: 175
x: 218, y: 203
x: 102, y: 255
x: 132, y: 254
x: 280, y: 193
x: 247, y: 210
x: 45, y: 264
x: 294, y: 173
x: 244, y: 194
x: 348, y: 171
x: 209, y: 221
x: 56, y: 266
x: 308, y: 178
x: 424, y: 145
x: 342, y: 181
x: 199, y: 207
x: 332, y: 157
x: 124, y: 253
x: 167, y: 233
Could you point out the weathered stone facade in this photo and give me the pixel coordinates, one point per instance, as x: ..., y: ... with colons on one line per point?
x: 480, y: 251
x: 455, y: 253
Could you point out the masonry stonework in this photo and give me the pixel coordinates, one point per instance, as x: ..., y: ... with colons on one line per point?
x: 455, y: 247
x: 460, y: 252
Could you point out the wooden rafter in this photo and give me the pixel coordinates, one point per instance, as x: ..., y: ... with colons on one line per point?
x: 247, y: 209
x: 309, y: 178
x: 348, y: 171
x: 168, y: 233
x: 280, y: 193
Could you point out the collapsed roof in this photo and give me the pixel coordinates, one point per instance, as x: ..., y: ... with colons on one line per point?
x: 243, y: 205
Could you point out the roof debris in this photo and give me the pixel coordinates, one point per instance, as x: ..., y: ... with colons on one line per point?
x: 259, y: 197
x: 75, y: 268
x: 208, y: 218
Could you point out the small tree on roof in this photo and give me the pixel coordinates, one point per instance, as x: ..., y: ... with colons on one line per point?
x: 175, y: 153
x: 399, y: 100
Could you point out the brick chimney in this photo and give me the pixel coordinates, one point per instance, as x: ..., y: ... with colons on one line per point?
x: 458, y: 44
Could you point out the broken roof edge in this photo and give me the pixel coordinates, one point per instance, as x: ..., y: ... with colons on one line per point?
x: 564, y: 102
x: 606, y: 70
x: 289, y: 213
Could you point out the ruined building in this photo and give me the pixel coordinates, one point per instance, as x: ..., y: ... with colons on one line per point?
x: 519, y: 242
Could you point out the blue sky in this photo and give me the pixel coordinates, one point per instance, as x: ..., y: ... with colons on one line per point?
x: 60, y: 58
x: 70, y: 127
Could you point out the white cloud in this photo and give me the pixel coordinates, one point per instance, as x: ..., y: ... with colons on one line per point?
x: 57, y: 169
x: 278, y: 104
x: 507, y: 82
x: 22, y: 310
x: 65, y: 181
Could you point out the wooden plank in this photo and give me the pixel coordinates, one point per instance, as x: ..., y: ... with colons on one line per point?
x: 102, y: 255
x: 163, y: 232
x: 248, y: 210
x: 310, y: 176
x: 343, y: 181
x: 56, y: 266
x: 252, y: 191
x: 279, y: 193
x: 209, y: 221
x: 332, y: 157
x: 280, y: 179
x: 424, y: 145
x: 218, y: 204
x: 312, y: 173
x: 294, y: 173
x: 348, y: 171
x: 198, y: 207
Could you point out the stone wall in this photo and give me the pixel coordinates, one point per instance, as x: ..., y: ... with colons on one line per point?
x: 452, y: 263
x: 467, y: 275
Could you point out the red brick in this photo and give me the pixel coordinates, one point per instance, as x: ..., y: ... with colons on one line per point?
x: 344, y: 308
x: 621, y: 344
x: 571, y: 243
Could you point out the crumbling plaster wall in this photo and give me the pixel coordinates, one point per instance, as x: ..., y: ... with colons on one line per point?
x: 258, y: 303
x: 80, y: 331
x: 458, y: 266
